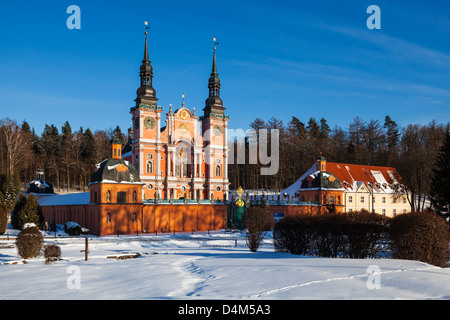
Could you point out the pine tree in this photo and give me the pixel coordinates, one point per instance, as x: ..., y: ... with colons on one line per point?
x: 324, y: 130
x: 440, y: 185
x: 26, y: 211
x: 17, y: 215
x: 392, y: 132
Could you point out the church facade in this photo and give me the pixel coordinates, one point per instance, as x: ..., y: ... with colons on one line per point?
x: 184, y: 156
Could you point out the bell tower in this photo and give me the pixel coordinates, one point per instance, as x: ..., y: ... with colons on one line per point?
x: 214, y: 129
x: 146, y: 122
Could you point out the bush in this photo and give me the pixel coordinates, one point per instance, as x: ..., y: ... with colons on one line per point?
x: 74, y: 229
x: 256, y: 220
x: 367, y: 234
x: 293, y: 234
x: 351, y: 235
x: 422, y: 236
x: 29, y: 242
x: 52, y: 252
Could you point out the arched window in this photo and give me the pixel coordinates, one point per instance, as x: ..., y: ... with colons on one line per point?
x: 108, y: 196
x: 134, y: 196
x: 108, y: 217
x: 134, y: 217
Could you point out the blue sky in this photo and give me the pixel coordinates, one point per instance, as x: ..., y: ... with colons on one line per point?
x: 275, y: 58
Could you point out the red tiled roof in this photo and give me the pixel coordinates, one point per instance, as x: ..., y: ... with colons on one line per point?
x: 384, y: 178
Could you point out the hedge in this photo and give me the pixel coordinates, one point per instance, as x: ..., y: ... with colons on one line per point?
x: 418, y: 236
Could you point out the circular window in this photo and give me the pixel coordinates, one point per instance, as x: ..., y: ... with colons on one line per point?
x: 218, y: 189
x: 150, y: 186
x: 183, y: 188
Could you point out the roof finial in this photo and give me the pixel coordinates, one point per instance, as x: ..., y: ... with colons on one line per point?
x: 182, y: 103
x: 146, y: 27
x: 214, y: 68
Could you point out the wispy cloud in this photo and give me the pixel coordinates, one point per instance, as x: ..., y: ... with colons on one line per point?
x: 394, y: 47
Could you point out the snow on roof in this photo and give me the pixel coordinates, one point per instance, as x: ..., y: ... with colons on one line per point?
x: 352, y: 176
x: 295, y: 187
x: 65, y: 199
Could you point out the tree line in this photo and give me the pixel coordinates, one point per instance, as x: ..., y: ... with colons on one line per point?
x: 68, y: 156
x: 413, y: 150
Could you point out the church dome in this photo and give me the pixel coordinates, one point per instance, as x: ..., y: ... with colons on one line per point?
x: 115, y: 170
x: 321, y: 179
x: 40, y: 185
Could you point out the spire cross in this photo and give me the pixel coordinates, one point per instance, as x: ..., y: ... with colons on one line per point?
x: 146, y: 27
x: 182, y: 103
x: 215, y: 43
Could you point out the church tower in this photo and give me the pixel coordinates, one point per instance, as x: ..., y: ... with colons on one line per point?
x: 214, y: 129
x: 146, y: 121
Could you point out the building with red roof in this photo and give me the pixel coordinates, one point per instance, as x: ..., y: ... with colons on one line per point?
x: 352, y: 187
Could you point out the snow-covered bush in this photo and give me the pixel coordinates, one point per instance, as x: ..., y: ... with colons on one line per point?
x: 74, y: 229
x: 29, y: 241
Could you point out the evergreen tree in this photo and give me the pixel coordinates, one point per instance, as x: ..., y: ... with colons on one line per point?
x: 392, y: 132
x: 18, y: 215
x: 313, y: 128
x: 26, y: 211
x: 324, y: 130
x: 440, y: 185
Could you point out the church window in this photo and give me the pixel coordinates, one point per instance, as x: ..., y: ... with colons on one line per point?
x: 331, y: 200
x: 121, y: 197
x: 108, y: 217
x: 134, y: 196
x: 108, y: 196
x: 134, y: 217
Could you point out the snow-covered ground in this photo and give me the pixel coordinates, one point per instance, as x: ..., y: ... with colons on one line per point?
x: 208, y: 266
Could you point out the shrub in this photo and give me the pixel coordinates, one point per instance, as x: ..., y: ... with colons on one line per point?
x: 293, y: 234
x: 3, y: 214
x: 367, y: 234
x: 74, y: 229
x: 29, y: 242
x: 256, y: 220
x: 52, y: 252
x: 422, y: 236
x: 351, y: 235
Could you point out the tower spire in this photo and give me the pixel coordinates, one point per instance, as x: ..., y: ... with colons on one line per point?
x: 146, y: 94
x: 214, y: 104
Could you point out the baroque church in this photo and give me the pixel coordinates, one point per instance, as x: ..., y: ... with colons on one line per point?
x: 185, y: 157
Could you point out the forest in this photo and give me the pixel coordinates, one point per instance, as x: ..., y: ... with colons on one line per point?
x: 68, y: 156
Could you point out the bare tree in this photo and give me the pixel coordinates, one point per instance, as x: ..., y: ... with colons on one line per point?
x: 13, y: 143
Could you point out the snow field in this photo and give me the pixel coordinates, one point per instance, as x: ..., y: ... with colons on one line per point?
x: 203, y: 266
